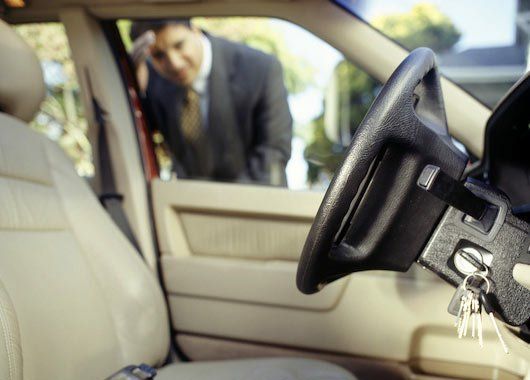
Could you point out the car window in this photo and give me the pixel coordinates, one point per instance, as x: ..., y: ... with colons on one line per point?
x: 480, y: 45
x: 326, y: 96
x: 61, y: 116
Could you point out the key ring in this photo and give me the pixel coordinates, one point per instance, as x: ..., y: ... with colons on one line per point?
x: 482, y: 276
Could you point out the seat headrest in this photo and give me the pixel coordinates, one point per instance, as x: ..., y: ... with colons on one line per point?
x: 21, y: 81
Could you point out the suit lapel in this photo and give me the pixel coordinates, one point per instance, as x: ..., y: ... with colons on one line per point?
x: 222, y: 120
x: 221, y: 110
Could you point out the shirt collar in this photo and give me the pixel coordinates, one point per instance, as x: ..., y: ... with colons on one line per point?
x: 201, y: 82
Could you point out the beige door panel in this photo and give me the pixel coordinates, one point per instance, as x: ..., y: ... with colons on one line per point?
x: 216, y: 219
x: 384, y: 316
x: 245, y: 236
x: 229, y: 257
x: 267, y: 283
x: 215, y: 237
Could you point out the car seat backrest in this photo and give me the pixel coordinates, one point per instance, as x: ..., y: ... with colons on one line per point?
x: 76, y: 300
x: 22, y: 86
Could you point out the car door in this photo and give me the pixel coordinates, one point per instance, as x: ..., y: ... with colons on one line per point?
x: 228, y: 258
x: 229, y: 255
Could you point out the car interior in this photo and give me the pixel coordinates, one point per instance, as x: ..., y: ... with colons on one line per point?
x: 412, y: 265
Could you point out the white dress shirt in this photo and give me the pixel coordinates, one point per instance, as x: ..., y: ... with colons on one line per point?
x: 200, y: 84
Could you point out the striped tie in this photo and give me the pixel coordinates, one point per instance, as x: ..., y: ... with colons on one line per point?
x: 194, y: 134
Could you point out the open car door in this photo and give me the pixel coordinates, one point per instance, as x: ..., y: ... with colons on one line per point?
x: 230, y: 252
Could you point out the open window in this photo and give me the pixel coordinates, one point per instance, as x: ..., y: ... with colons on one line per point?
x: 327, y: 97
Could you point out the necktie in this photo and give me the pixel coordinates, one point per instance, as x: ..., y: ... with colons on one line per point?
x: 195, y: 135
x: 190, y: 119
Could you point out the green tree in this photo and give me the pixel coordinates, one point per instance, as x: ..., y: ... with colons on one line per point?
x: 424, y: 25
x: 322, y: 155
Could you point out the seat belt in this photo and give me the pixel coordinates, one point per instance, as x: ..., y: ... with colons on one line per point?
x: 109, y: 197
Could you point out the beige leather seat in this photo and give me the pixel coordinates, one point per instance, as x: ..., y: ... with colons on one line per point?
x: 76, y: 300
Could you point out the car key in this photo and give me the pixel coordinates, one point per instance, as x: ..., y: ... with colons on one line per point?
x: 455, y: 305
x: 478, y: 316
x: 463, y: 302
x: 463, y: 321
x: 469, y: 305
x: 485, y: 300
x: 473, y: 315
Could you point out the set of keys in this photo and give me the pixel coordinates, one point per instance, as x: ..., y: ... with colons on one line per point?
x: 467, y: 304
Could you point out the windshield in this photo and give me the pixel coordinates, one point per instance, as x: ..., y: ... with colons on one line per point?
x: 481, y: 45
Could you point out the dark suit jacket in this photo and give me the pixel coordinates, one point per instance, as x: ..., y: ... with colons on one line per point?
x: 249, y: 126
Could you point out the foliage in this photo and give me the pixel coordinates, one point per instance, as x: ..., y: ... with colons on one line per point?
x: 358, y: 89
x: 49, y: 42
x: 322, y: 155
x: 424, y: 25
x: 61, y: 114
x: 124, y: 27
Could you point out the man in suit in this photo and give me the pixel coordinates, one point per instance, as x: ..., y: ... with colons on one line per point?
x: 221, y: 106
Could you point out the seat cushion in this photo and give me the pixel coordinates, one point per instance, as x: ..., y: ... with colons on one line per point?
x: 255, y: 369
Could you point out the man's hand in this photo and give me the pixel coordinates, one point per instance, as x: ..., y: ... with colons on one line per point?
x: 140, y: 52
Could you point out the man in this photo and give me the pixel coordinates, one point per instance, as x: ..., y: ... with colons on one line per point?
x: 221, y: 106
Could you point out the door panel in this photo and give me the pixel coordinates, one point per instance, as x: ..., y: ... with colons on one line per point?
x: 229, y: 257
x: 246, y: 236
x: 257, y: 283
x: 216, y: 219
x: 222, y: 241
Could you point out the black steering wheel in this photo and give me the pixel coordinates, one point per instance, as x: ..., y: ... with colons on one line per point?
x: 373, y: 215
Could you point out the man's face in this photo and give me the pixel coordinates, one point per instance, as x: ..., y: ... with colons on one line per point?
x: 177, y: 53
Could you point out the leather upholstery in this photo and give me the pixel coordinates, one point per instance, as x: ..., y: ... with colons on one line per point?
x: 76, y: 300
x: 10, y: 350
x: 22, y: 86
x: 86, y: 304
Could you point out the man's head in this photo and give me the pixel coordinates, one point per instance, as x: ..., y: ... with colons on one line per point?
x: 177, y: 49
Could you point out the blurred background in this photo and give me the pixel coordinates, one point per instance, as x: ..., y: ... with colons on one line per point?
x: 481, y: 45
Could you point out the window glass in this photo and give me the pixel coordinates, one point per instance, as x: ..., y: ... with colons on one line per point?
x: 61, y: 116
x: 326, y: 96
x: 481, y: 45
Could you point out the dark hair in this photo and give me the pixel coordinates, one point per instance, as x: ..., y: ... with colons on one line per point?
x: 139, y: 27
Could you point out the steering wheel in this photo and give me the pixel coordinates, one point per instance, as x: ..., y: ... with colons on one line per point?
x: 373, y: 215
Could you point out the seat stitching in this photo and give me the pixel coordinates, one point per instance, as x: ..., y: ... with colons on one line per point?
x: 18, y: 222
x: 7, y: 344
x: 33, y: 229
x: 25, y: 179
